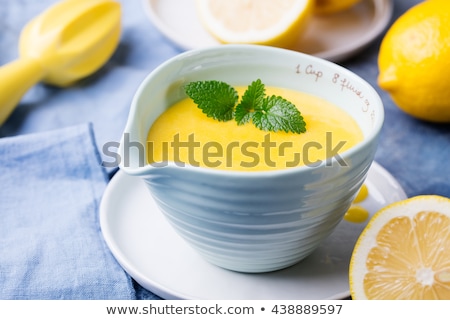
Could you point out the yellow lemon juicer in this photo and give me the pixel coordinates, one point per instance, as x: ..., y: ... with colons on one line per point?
x: 69, y: 41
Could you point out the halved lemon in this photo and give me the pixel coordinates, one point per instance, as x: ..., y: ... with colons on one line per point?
x: 404, y: 252
x: 276, y: 23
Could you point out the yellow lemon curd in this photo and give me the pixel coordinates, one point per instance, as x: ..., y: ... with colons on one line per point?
x: 185, y: 135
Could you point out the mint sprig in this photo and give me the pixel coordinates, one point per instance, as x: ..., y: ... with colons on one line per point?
x: 218, y: 100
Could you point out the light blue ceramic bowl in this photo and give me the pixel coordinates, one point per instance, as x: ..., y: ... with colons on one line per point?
x: 253, y: 221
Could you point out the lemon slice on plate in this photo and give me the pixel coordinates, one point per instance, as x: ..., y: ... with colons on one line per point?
x: 404, y: 252
x: 277, y: 23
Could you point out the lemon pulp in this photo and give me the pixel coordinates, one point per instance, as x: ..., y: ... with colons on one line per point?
x: 183, y: 134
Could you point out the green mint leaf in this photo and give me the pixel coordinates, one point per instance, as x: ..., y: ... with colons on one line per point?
x: 215, y: 98
x: 278, y: 114
x: 252, y: 99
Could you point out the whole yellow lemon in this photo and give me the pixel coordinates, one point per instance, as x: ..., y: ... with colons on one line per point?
x: 414, y: 61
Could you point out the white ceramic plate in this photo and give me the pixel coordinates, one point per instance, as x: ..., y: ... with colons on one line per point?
x: 334, y: 37
x: 159, y: 260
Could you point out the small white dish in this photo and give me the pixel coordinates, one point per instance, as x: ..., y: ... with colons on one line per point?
x: 150, y: 251
x: 333, y: 37
x: 254, y: 221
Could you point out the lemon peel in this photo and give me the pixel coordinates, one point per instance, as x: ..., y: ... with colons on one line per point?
x: 324, y: 7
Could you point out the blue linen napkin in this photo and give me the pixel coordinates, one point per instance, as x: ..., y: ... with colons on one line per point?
x: 51, y: 246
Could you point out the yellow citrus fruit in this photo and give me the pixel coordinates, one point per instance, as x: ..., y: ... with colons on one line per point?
x: 333, y: 6
x: 414, y: 61
x: 404, y: 252
x: 276, y: 23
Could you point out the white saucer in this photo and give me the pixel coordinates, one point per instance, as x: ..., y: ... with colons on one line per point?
x: 334, y: 37
x: 159, y: 260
